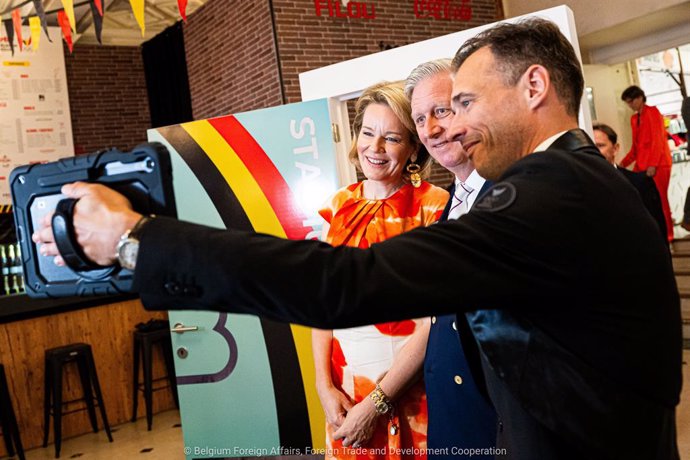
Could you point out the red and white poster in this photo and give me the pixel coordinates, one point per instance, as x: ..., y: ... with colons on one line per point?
x: 35, y: 124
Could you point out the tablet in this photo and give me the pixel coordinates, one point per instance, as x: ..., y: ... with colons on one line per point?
x: 143, y: 175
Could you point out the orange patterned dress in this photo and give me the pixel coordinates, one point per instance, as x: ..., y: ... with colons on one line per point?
x: 361, y: 356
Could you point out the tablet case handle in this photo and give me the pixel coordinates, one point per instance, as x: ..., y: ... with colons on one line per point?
x: 66, y: 239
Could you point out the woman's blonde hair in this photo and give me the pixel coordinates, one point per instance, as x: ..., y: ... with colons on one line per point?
x: 392, y: 95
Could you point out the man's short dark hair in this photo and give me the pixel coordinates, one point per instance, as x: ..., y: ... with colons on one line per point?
x: 633, y: 92
x: 519, y: 45
x: 606, y: 129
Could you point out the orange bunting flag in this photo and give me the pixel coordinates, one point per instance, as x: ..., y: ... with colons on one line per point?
x: 17, y: 22
x: 68, y: 5
x: 138, y: 10
x: 35, y: 27
x: 182, y: 6
x: 63, y: 20
x: 99, y: 6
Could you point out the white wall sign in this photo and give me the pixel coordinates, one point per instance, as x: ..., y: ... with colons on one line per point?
x: 35, y: 124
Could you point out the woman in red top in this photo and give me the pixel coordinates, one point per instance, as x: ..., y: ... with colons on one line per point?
x: 650, y: 150
x: 365, y: 376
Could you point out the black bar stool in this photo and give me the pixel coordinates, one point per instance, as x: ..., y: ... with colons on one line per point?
x: 10, y: 429
x: 55, y: 360
x: 144, y: 340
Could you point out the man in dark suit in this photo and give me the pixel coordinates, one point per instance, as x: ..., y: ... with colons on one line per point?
x: 606, y: 141
x: 578, y: 365
x: 460, y: 413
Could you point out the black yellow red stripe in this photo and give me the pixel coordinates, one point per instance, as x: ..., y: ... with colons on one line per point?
x: 265, y: 173
x: 259, y: 192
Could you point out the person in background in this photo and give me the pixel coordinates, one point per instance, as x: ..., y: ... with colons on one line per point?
x: 606, y: 140
x: 649, y: 150
x: 578, y: 365
x: 365, y: 404
x: 460, y: 413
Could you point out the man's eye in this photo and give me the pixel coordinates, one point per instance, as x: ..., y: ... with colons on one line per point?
x: 442, y: 112
x: 419, y: 121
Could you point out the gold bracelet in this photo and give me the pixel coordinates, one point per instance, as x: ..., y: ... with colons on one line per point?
x: 382, y: 403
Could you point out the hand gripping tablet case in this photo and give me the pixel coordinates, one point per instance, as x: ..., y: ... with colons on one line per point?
x: 143, y: 175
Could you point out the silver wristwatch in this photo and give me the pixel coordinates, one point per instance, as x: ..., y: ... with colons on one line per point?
x: 128, y: 246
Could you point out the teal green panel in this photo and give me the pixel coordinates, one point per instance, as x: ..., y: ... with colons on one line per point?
x: 239, y: 412
x: 298, y: 140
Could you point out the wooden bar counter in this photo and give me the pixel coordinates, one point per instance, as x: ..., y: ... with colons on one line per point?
x: 28, y: 327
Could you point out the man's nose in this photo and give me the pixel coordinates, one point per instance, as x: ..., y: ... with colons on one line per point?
x: 432, y: 128
x: 457, y: 129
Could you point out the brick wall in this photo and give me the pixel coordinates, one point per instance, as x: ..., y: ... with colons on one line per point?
x: 108, y: 100
x: 307, y: 41
x: 231, y: 58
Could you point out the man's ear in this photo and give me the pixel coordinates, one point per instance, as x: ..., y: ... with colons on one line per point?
x: 536, y: 82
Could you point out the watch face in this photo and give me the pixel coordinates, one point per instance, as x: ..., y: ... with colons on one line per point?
x: 127, y: 253
x: 382, y: 407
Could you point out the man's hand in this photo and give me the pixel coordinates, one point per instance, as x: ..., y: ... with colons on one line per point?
x: 651, y: 171
x: 101, y: 216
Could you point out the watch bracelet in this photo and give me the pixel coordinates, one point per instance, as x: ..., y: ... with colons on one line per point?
x: 133, y: 232
x: 141, y: 223
x: 381, y: 399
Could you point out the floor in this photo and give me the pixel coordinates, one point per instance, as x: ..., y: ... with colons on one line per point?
x: 164, y: 441
x: 131, y: 440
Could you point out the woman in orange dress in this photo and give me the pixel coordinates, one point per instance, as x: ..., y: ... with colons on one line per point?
x: 369, y: 386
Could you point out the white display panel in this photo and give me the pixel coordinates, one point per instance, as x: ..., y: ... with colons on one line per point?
x: 35, y: 124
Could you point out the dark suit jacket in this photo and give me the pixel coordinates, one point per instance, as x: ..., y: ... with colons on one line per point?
x: 646, y: 187
x: 581, y: 365
x: 460, y: 412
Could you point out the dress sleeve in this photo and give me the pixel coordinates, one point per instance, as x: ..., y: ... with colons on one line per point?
x: 632, y: 153
x: 332, y: 205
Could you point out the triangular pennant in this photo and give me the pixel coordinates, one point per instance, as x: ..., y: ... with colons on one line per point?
x: 182, y: 6
x: 35, y: 28
x: 17, y: 22
x: 9, y: 29
x: 38, y: 6
x: 68, y: 5
x: 138, y: 10
x: 99, y: 6
x: 63, y: 20
x: 97, y: 20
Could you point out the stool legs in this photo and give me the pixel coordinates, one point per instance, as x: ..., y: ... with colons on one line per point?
x: 99, y: 395
x: 148, y: 385
x: 85, y: 378
x: 143, y: 353
x: 7, y: 435
x: 57, y: 407
x: 56, y: 358
x: 10, y: 427
x: 135, y: 386
x: 170, y: 369
x: 47, y: 385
